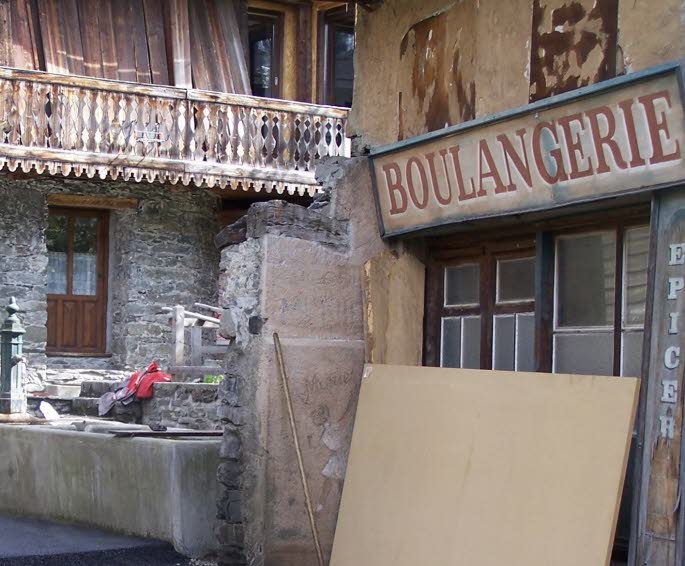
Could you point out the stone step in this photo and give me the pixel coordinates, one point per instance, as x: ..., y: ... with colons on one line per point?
x: 97, y: 388
x: 85, y: 406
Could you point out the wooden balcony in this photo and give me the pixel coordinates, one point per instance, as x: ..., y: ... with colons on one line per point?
x: 58, y: 124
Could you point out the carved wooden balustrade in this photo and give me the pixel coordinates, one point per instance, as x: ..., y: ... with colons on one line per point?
x: 66, y: 125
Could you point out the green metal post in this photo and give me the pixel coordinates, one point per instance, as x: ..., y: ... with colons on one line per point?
x: 12, y: 397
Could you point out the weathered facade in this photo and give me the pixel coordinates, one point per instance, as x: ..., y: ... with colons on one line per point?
x: 458, y: 295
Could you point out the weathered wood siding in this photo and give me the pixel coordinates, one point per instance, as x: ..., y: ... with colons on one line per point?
x: 185, y: 43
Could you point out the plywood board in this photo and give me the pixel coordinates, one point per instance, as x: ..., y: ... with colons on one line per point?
x: 482, y: 468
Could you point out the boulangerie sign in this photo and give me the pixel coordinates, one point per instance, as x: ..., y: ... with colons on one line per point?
x: 621, y: 136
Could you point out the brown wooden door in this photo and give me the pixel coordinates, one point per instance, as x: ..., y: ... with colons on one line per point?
x: 77, y: 280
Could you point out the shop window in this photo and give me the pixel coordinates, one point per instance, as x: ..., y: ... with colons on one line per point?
x: 77, y: 280
x: 336, y: 46
x: 487, y: 311
x: 265, y: 40
x: 481, y: 310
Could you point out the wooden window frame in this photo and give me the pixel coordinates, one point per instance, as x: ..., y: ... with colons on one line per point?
x: 539, y: 238
x: 277, y: 48
x: 102, y: 276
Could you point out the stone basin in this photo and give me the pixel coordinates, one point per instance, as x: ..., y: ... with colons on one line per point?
x: 158, y: 488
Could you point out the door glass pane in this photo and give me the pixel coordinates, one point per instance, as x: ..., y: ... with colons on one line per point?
x: 262, y: 33
x: 586, y: 268
x: 85, y: 256
x: 470, y: 342
x: 504, y: 338
x: 585, y: 354
x: 635, y: 280
x: 450, y: 353
x: 343, y: 70
x: 525, y: 342
x: 56, y: 240
x: 462, y: 285
x: 631, y: 353
x: 515, y: 280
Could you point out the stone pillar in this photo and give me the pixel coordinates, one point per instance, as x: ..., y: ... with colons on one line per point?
x: 12, y: 397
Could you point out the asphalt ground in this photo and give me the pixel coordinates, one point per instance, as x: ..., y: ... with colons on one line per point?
x: 32, y: 542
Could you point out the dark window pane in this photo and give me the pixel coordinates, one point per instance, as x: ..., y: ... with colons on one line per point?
x: 635, y: 281
x: 470, y: 342
x: 584, y: 354
x: 343, y: 68
x: 261, y: 60
x: 450, y: 355
x: 525, y: 342
x: 515, y: 280
x: 504, y: 338
x: 56, y: 240
x: 462, y: 285
x: 585, y: 280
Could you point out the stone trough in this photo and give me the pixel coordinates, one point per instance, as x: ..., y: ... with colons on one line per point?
x: 150, y: 487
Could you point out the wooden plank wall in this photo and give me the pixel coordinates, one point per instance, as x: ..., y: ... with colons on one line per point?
x: 185, y: 43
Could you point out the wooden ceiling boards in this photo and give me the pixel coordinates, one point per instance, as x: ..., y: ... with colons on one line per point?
x: 483, y: 468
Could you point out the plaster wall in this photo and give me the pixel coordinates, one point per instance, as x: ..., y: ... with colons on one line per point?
x: 422, y: 65
x: 302, y: 274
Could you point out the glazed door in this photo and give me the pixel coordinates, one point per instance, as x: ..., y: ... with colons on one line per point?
x: 77, y: 280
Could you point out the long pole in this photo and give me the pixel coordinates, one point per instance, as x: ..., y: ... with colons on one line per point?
x: 300, y: 463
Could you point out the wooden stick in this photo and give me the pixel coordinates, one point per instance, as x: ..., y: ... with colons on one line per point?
x: 300, y: 463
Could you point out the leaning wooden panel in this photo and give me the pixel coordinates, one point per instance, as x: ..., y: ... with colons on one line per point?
x: 482, y: 468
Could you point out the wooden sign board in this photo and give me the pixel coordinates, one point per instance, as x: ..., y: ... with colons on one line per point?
x: 483, y: 468
x: 620, y: 136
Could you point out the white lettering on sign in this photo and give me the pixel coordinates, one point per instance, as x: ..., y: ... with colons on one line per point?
x: 677, y: 254
x: 670, y: 391
x: 667, y: 427
x: 673, y: 325
x: 672, y: 357
x: 675, y: 285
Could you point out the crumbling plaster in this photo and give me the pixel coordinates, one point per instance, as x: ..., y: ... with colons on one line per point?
x: 301, y: 274
x: 420, y: 65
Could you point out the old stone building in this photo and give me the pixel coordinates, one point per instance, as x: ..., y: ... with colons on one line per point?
x: 121, y: 159
x: 513, y: 203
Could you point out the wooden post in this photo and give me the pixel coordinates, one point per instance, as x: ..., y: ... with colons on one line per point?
x: 196, y: 345
x: 659, y: 522
x: 12, y: 397
x: 178, y: 333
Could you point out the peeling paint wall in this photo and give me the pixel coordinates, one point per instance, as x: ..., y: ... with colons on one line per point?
x: 422, y: 65
x: 573, y: 45
x: 436, y: 63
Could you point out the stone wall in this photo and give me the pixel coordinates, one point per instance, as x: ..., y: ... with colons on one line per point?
x: 161, y: 254
x: 186, y: 405
x: 297, y: 272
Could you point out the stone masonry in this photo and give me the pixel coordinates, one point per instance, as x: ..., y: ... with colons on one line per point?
x: 161, y: 254
x: 296, y: 271
x: 186, y: 405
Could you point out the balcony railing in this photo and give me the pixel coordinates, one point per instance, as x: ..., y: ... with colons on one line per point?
x: 67, y: 125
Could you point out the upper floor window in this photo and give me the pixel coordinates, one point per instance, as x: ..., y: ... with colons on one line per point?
x: 337, y: 46
x: 265, y: 51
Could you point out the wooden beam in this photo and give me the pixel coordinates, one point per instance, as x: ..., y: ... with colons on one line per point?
x: 83, y: 201
x: 154, y: 26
